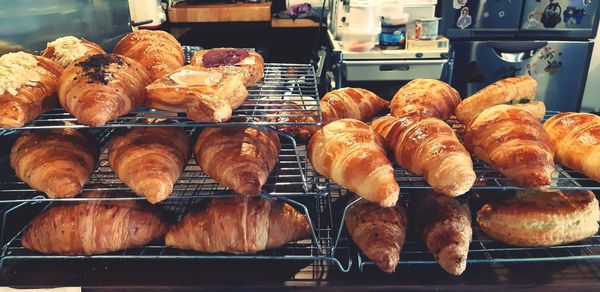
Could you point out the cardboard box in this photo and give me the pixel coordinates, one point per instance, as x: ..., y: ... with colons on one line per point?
x: 441, y: 44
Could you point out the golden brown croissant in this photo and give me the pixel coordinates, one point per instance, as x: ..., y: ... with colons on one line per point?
x: 378, y: 232
x: 513, y: 90
x: 239, y: 225
x: 444, y: 223
x: 575, y: 138
x: 97, y: 89
x: 514, y: 142
x: 541, y: 218
x: 425, y: 97
x: 158, y: 51
x: 27, y: 88
x: 240, y: 158
x: 150, y: 160
x: 428, y: 147
x: 206, y: 95
x: 67, y: 49
x: 57, y: 162
x: 94, y: 227
x: 236, y: 61
x: 353, y: 155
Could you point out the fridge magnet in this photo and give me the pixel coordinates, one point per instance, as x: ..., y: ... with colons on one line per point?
x: 465, y: 19
x: 530, y: 69
x: 573, y: 16
x: 458, y: 4
x: 551, y: 15
x: 552, y: 58
x: 533, y: 20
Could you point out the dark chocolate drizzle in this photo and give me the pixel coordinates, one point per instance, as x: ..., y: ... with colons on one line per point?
x: 95, y: 67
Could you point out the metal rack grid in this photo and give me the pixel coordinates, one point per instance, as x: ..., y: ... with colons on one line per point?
x: 288, y: 179
x: 287, y: 96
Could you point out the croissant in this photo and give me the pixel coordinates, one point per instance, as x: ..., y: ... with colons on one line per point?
x: 519, y: 91
x: 514, y: 142
x: 239, y: 225
x: 97, y: 89
x: 57, y: 162
x: 94, y: 227
x: 27, y: 88
x: 150, y: 160
x: 378, y: 232
x: 444, y: 223
x: 67, y: 49
x: 206, y: 96
x: 158, y: 51
x: 425, y: 97
x: 240, y: 158
x: 576, y: 139
x: 353, y: 155
x: 429, y: 147
x: 236, y: 61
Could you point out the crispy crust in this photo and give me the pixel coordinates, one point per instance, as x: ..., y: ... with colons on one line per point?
x: 542, y: 218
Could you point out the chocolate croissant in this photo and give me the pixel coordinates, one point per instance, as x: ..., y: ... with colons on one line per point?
x: 28, y: 87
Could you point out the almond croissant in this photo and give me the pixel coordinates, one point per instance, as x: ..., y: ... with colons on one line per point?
x: 428, y: 147
x: 353, y: 155
x: 240, y: 158
x: 97, y: 89
x: 94, y: 227
x: 425, y: 97
x: 67, y: 49
x: 150, y: 160
x: 57, y: 162
x: 239, y: 225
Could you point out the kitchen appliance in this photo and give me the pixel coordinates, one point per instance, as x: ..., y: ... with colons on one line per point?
x: 149, y: 12
x: 550, y: 40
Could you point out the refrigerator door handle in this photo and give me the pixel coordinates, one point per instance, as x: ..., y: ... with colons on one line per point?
x: 516, y: 51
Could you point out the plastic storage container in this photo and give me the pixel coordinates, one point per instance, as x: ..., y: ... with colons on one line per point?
x: 393, y: 31
x: 359, y: 40
x: 363, y: 25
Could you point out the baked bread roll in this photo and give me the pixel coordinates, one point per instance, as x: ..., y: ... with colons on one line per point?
x: 67, y: 49
x: 206, y: 96
x: 425, y: 97
x: 56, y: 162
x: 149, y: 160
x: 541, y: 218
x: 239, y: 225
x: 94, y: 227
x: 444, y: 223
x: 428, y: 147
x: 158, y: 51
x: 353, y: 155
x: 513, y: 90
x: 576, y: 139
x: 97, y: 89
x: 514, y: 142
x: 236, y: 61
x: 240, y: 158
x: 378, y: 232
x: 27, y: 88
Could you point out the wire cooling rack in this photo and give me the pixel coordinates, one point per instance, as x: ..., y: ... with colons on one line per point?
x: 287, y: 96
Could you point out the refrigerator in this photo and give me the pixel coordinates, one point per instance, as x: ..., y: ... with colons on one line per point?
x: 550, y: 40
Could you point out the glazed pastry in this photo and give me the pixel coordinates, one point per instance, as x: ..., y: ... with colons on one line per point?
x: 27, y: 88
x: 149, y: 160
x: 56, y: 162
x: 378, y: 232
x: 67, y: 49
x: 97, y: 89
x: 576, y: 139
x: 158, y: 52
x: 353, y: 155
x: 541, y: 218
x: 239, y: 225
x: 514, y: 142
x: 428, y: 147
x: 236, y: 61
x: 444, y: 223
x: 240, y: 158
x: 513, y: 90
x: 206, y: 96
x: 94, y: 227
x: 427, y: 98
